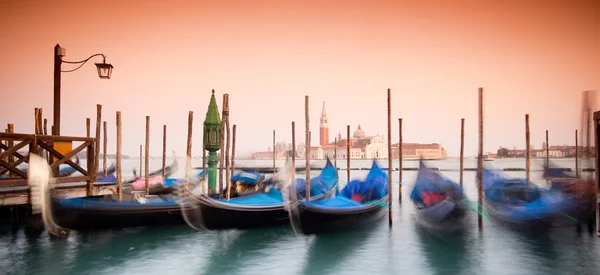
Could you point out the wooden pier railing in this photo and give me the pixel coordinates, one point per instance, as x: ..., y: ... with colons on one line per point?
x: 13, y: 174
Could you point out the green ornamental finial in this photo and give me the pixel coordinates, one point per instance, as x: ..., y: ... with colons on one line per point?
x: 212, y: 126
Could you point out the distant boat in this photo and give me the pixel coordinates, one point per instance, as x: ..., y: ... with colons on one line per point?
x: 488, y: 157
x: 359, y: 204
x: 436, y: 198
x: 263, y: 209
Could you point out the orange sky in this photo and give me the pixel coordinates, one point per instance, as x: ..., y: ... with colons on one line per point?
x: 531, y: 57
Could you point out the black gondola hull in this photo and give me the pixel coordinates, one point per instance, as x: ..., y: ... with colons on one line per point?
x: 314, y: 220
x: 223, y: 217
x: 79, y: 218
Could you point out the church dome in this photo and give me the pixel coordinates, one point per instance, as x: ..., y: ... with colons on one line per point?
x: 359, y: 133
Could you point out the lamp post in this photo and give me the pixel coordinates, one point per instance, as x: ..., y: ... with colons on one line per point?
x: 104, y: 72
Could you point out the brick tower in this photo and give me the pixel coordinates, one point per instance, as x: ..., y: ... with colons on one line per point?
x: 323, y: 128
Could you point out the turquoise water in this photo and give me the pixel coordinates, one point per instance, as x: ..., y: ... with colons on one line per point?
x: 405, y: 248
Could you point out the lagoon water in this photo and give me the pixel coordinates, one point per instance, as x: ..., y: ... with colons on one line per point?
x: 405, y: 248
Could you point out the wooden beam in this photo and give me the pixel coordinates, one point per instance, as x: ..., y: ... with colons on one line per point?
x: 65, y: 138
x: 13, y: 169
x: 15, y: 137
x: 12, y: 150
x: 13, y: 182
x: 66, y: 158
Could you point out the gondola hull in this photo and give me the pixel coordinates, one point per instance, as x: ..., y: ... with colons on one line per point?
x: 69, y: 214
x: 440, y: 212
x: 211, y: 214
x: 519, y: 214
x: 216, y: 215
x: 311, y: 219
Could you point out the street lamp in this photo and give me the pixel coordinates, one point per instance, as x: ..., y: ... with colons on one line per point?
x: 104, y: 72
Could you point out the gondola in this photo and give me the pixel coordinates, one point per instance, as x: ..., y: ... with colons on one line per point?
x: 359, y: 204
x: 519, y: 201
x: 158, y: 185
x: 103, y: 211
x: 264, y: 209
x: 562, y: 179
x: 436, y: 198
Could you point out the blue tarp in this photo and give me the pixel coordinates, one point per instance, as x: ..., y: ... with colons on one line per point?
x: 247, y: 177
x: 321, y: 184
x: 337, y: 202
x: 272, y: 198
x: 429, y: 180
x: 108, y: 178
x: 327, y: 178
x: 374, y: 187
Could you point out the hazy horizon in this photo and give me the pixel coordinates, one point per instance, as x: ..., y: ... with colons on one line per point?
x: 532, y: 57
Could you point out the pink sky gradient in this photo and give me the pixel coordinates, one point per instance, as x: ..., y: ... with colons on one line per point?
x: 531, y: 57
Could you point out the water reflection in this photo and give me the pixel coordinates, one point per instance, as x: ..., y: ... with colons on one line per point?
x: 446, y: 252
x: 329, y: 251
x: 96, y: 251
x: 240, y: 249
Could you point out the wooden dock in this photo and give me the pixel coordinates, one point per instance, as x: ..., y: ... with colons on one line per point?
x: 14, y: 188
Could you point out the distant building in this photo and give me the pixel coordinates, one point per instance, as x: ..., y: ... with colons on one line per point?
x: 418, y: 151
x: 361, y: 146
x: 553, y: 152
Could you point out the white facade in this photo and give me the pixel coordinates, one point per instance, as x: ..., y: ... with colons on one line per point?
x: 316, y: 153
x: 355, y: 153
x: 376, y: 149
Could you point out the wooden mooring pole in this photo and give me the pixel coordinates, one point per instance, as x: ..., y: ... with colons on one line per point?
x: 227, y: 142
x: 164, y: 151
x: 400, y: 158
x: 576, y: 155
x: 232, y: 161
x: 335, y: 154
x: 36, y: 116
x: 273, y: 151
x: 104, y: 168
x: 40, y: 120
x: 480, y: 161
x: 188, y: 151
x: 119, y: 157
x: 293, y: 150
x: 222, y: 149
x: 597, y: 168
x: 389, y: 141
x: 462, y: 150
x: 87, y: 127
x: 527, y: 149
x: 348, y: 152
x: 97, y: 146
x: 547, y: 151
x: 307, y: 121
x: 203, y: 182
x: 147, y: 157
x: 10, y: 128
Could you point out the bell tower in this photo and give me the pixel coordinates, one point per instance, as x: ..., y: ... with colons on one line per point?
x: 323, y: 128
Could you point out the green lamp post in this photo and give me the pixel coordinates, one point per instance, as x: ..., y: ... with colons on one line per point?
x: 212, y: 134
